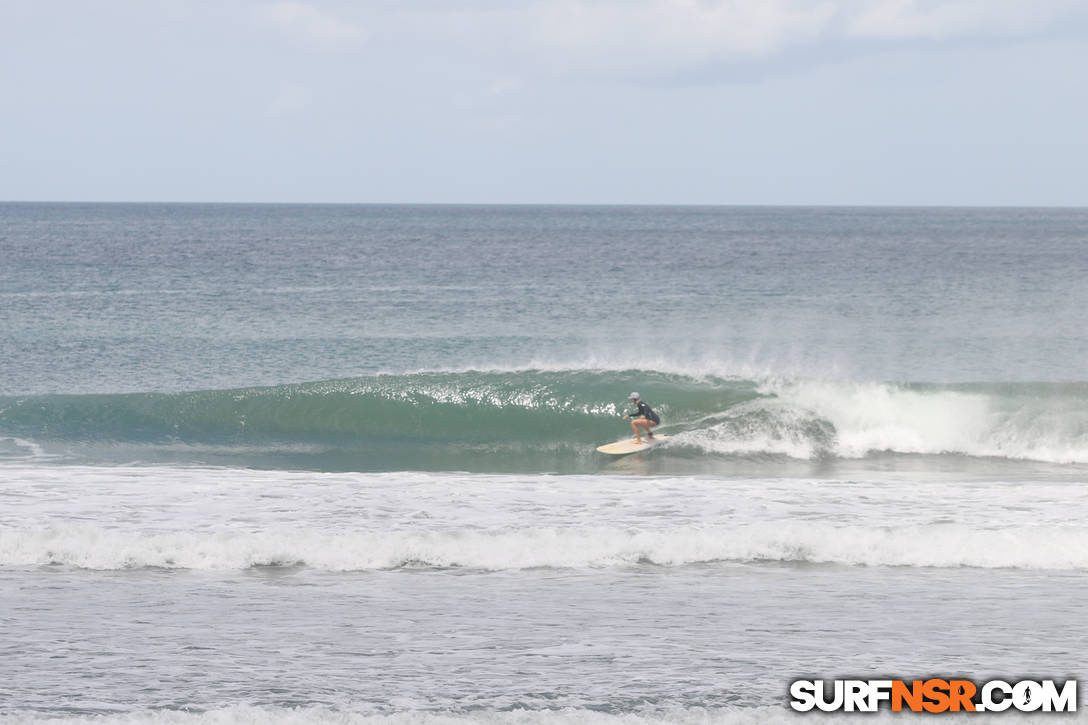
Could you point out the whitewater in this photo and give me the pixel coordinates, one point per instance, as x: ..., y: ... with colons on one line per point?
x: 230, y: 519
x: 306, y: 463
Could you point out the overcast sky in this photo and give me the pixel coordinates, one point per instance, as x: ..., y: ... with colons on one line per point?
x: 546, y: 101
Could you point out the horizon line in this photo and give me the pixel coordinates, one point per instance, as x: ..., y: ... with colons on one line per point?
x: 793, y: 205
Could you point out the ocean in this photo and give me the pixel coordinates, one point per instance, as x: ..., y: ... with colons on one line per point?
x: 305, y: 463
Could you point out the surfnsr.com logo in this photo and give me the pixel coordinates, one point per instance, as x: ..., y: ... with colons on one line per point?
x: 933, y: 695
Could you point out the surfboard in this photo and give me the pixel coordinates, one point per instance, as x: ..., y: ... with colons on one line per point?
x: 622, y: 448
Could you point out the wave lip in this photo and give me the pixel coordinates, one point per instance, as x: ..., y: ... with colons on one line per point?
x: 931, y: 545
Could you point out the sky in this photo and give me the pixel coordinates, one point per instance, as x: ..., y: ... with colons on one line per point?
x: 844, y: 102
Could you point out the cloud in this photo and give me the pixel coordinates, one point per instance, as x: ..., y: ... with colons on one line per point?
x: 688, y: 27
x: 648, y: 41
x: 945, y: 19
x: 609, y: 36
x: 308, y: 25
x: 612, y: 37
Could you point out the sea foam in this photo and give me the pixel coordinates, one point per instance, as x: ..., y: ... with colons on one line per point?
x: 933, y: 545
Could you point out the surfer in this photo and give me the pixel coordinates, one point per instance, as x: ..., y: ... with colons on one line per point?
x: 643, y: 419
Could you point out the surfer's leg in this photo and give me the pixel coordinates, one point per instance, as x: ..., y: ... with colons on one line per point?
x: 634, y: 426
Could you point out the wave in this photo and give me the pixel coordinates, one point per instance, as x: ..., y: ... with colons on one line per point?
x: 554, y: 419
x: 930, y: 545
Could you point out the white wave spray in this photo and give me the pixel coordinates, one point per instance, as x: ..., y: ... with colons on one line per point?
x: 808, y: 419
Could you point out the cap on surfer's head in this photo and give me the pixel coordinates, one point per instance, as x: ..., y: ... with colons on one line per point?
x: 633, y: 396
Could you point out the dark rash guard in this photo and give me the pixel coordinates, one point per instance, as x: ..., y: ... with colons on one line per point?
x: 645, y: 411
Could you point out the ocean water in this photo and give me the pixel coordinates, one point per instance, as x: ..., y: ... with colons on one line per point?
x: 301, y: 463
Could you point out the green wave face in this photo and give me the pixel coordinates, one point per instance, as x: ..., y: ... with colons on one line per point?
x: 425, y: 420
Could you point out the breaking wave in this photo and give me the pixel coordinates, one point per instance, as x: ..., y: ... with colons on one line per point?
x: 553, y: 420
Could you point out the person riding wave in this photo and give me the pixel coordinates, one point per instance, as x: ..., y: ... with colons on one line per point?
x: 643, y: 419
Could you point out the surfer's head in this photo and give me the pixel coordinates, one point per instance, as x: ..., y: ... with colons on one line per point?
x: 633, y: 396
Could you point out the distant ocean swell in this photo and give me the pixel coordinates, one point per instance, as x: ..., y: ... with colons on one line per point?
x: 931, y: 545
x: 391, y: 420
